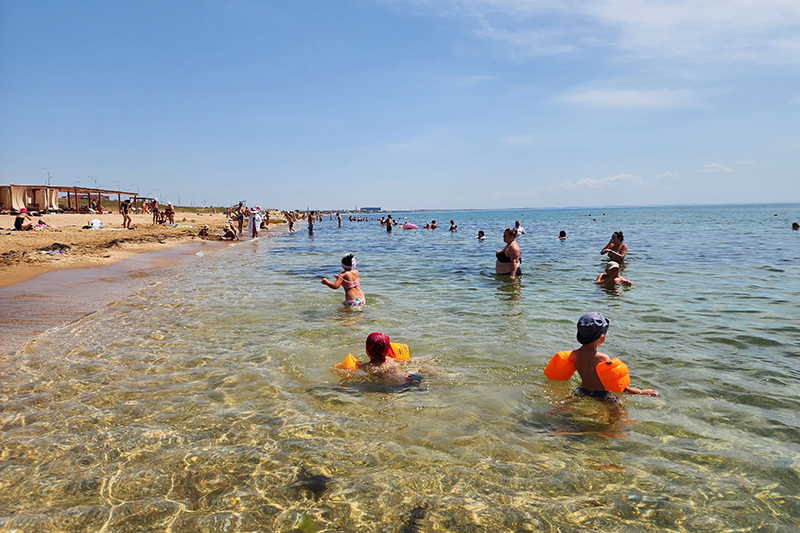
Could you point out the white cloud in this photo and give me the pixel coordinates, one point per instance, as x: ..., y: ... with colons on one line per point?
x: 631, y: 99
x: 667, y: 175
x: 595, y: 183
x: 745, y: 162
x: 697, y: 32
x: 715, y: 167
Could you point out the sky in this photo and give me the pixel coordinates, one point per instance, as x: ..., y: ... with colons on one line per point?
x: 405, y: 104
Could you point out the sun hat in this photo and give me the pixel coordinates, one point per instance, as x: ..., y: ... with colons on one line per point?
x: 612, y: 264
x: 23, y: 210
x: 378, y: 346
x: 591, y: 327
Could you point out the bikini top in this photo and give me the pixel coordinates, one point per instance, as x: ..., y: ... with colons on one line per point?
x: 350, y: 284
x: 502, y: 257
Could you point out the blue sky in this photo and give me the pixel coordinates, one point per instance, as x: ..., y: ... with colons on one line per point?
x: 406, y: 104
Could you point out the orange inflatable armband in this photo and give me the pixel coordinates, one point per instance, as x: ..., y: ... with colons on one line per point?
x: 560, y: 368
x: 613, y: 375
x: 348, y: 366
x: 399, y: 351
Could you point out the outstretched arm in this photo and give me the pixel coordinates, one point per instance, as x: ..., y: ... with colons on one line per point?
x: 649, y: 392
x: 334, y: 285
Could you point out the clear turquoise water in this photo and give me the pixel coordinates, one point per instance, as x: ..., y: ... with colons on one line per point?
x: 197, y: 403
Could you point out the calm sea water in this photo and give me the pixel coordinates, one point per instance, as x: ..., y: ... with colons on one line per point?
x: 206, y: 401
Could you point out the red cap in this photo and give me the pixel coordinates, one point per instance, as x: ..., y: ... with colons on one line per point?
x: 378, y: 346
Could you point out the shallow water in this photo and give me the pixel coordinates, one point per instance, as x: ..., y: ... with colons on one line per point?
x: 205, y: 402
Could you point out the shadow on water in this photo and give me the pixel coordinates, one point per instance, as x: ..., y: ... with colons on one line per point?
x: 577, y: 417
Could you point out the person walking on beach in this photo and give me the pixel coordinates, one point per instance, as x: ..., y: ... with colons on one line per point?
x: 255, y: 222
x: 125, y: 208
x: 616, y: 249
x: 238, y: 215
x: 509, y: 256
x: 349, y: 280
x: 156, y: 212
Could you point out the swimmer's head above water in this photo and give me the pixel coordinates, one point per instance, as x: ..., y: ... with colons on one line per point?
x: 378, y: 347
x: 348, y: 262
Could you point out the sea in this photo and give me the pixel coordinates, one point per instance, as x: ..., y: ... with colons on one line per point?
x: 207, y: 402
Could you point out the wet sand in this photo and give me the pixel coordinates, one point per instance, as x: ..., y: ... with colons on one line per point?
x: 59, y: 297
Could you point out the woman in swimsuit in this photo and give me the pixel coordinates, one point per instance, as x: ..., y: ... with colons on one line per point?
x: 616, y: 249
x: 353, y: 295
x: 509, y: 256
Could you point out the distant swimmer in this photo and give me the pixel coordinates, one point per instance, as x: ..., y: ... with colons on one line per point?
x: 795, y: 226
x: 616, y: 249
x: 562, y: 235
x: 453, y: 225
x: 509, y: 256
x: 611, y: 275
x: 433, y: 224
x: 600, y: 374
x: 349, y: 280
x: 520, y: 229
x: 481, y: 236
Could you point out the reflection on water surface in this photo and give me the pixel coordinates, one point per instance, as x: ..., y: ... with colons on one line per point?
x: 206, y: 402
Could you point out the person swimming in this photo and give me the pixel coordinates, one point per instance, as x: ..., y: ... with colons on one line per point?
x: 349, y: 280
x: 384, y: 366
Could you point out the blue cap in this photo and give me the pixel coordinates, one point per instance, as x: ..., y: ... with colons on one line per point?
x: 591, y: 327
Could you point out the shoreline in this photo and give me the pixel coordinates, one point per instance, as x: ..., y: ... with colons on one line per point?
x: 56, y: 275
x: 58, y: 297
x: 65, y: 244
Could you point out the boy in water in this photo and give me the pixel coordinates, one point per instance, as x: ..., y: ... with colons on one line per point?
x: 592, y: 328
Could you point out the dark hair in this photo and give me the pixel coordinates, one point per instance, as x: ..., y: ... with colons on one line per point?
x: 618, y: 234
x: 562, y: 233
x: 348, y: 260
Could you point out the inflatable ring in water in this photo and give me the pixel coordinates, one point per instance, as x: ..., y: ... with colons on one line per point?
x: 409, y: 225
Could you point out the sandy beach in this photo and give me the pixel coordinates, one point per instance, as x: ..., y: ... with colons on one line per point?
x: 65, y: 244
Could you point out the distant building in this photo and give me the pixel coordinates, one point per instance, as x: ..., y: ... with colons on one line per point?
x: 370, y: 209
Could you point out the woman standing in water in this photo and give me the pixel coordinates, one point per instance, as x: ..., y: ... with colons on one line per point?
x: 509, y: 256
x: 616, y: 249
x: 349, y: 280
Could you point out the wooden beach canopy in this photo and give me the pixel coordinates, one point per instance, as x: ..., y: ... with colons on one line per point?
x: 45, y: 198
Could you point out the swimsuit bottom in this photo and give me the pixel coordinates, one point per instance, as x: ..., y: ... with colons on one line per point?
x: 355, y: 302
x: 602, y: 395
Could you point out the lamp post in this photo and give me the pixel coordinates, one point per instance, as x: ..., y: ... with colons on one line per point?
x: 118, y: 187
x: 95, y: 182
x: 48, y: 175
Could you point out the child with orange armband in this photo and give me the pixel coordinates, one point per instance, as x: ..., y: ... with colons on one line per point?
x: 383, y: 361
x: 600, y: 374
